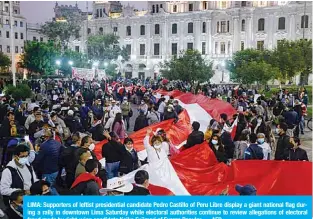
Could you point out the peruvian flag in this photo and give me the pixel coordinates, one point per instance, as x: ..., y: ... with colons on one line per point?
x: 195, y: 171
x: 120, y: 90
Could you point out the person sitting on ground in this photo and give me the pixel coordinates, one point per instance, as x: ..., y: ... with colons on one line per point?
x: 87, y: 183
x: 253, y: 152
x: 246, y: 190
x: 142, y: 184
x: 41, y: 187
x: 295, y: 153
x: 196, y: 136
x: 15, y: 209
x: 83, y: 154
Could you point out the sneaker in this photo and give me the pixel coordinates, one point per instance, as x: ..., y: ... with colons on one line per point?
x: 302, y: 133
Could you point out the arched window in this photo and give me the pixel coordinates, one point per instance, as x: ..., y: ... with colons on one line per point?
x: 218, y: 27
x: 128, y: 31
x: 281, y: 23
x: 190, y: 27
x: 142, y: 30
x: 157, y: 8
x: 304, y: 21
x: 88, y: 31
x: 101, y: 30
x: 243, y: 25
x: 153, y: 8
x: 261, y: 24
x: 174, y: 28
x: 203, y: 27
x: 157, y: 29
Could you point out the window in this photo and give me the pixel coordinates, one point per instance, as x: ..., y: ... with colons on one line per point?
x: 34, y: 39
x: 304, y: 21
x: 157, y: 29
x: 260, y: 45
x: 223, y: 4
x: 205, y: 5
x: 243, y: 25
x: 157, y: 8
x: 0, y: 48
x: 142, y: 49
x: 216, y: 47
x: 15, y: 23
x: 203, y: 48
x: 15, y: 11
x: 174, y: 48
x: 203, y: 27
x: 223, y: 27
x: 6, y: 9
x: 16, y: 49
x: 227, y: 26
x: 174, y: 8
x: 114, y: 29
x: 88, y: 31
x: 16, y: 35
x: 0, y: 33
x: 41, y: 39
x: 142, y: 30
x: 153, y: 9
x: 7, y: 22
x: 174, y: 28
x: 128, y: 31
x: 218, y: 27
x: 22, y: 36
x: 161, y: 6
x: 8, y: 49
x: 156, y: 49
x: 22, y: 49
x: 222, y: 48
x: 97, y: 15
x: 8, y: 34
x: 21, y: 24
x: 261, y: 24
x: 190, y: 27
x: 77, y: 48
x: 189, y: 45
x: 281, y: 23
x: 243, y: 4
x: 101, y: 30
x: 242, y: 45
x: 103, y: 11
x: 100, y: 13
x: 190, y: 7
x: 128, y: 49
x: 228, y: 47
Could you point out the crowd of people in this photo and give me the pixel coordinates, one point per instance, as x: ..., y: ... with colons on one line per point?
x: 48, y: 143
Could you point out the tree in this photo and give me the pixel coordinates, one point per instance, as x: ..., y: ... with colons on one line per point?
x: 255, y: 72
x: 105, y: 48
x: 111, y: 69
x: 62, y: 31
x: 79, y: 60
x: 189, y: 66
x: 5, y: 61
x: 40, y: 57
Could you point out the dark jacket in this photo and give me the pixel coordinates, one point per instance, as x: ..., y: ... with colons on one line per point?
x: 97, y: 110
x: 138, y: 190
x: 129, y: 162
x: 113, y: 151
x: 291, y: 118
x: 219, y: 153
x: 298, y: 110
x: 85, y: 184
x: 282, y: 144
x: 12, y: 214
x: 254, y: 152
x: 48, y: 157
x: 5, y: 130
x: 178, y: 109
x: 34, y: 127
x: 229, y: 145
x: 170, y: 115
x: 97, y: 132
x: 196, y: 137
x: 69, y: 161
x: 297, y: 154
x: 73, y: 124
x: 141, y: 122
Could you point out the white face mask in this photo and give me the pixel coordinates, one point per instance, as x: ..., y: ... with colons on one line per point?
x: 23, y: 161
x: 92, y: 147
x: 259, y: 120
x: 214, y: 142
x: 157, y: 146
x: 90, y: 158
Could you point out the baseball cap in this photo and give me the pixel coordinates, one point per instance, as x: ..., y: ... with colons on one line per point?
x: 70, y: 113
x: 246, y: 190
x: 117, y: 184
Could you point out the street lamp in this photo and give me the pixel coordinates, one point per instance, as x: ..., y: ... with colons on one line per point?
x: 70, y: 63
x: 106, y: 64
x: 58, y: 63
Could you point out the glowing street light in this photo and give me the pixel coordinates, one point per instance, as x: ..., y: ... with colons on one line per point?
x: 70, y: 63
x: 58, y: 62
x: 106, y: 64
x: 96, y: 64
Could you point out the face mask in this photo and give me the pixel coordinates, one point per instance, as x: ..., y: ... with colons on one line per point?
x: 23, y: 161
x: 214, y: 142
x: 157, y: 146
x: 169, y: 110
x: 259, y: 120
x: 277, y: 130
x: 19, y: 208
x: 142, y: 102
x: 129, y: 149
x: 261, y: 140
x: 92, y: 147
x: 90, y: 158
x: 83, y: 105
x: 96, y: 171
x: 48, y: 193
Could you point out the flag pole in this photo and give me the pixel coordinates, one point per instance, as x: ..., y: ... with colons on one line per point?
x: 13, y: 67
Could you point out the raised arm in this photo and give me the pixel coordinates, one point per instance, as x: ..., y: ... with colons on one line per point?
x: 147, y: 138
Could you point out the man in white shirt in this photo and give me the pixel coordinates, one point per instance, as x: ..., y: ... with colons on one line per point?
x: 161, y: 108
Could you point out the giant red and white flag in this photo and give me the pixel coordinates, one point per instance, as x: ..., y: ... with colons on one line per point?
x: 197, y: 170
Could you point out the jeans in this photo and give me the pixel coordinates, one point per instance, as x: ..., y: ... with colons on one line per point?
x: 126, y: 121
x: 51, y: 177
x: 112, y: 169
x: 302, y: 124
x: 161, y: 117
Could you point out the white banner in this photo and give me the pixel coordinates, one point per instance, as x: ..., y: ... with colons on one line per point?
x: 83, y: 73
x: 101, y: 74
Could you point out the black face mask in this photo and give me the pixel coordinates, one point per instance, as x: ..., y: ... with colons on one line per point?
x: 48, y: 193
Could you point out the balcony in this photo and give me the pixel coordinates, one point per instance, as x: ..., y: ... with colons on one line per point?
x: 142, y: 57
x: 156, y: 56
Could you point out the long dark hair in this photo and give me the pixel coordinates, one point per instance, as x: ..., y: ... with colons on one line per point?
x: 118, y: 118
x: 220, y: 146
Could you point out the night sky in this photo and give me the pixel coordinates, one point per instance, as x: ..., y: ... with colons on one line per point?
x: 41, y: 11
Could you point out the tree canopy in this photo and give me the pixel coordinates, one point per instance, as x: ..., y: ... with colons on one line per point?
x: 5, y: 61
x: 79, y: 60
x: 189, y: 66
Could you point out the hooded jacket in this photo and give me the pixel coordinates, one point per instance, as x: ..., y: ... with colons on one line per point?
x: 86, y: 184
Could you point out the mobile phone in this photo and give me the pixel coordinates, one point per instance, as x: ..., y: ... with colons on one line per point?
x: 26, y: 138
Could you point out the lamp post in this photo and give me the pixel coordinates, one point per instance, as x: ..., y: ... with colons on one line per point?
x: 223, y: 66
x: 13, y: 67
x: 58, y: 63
